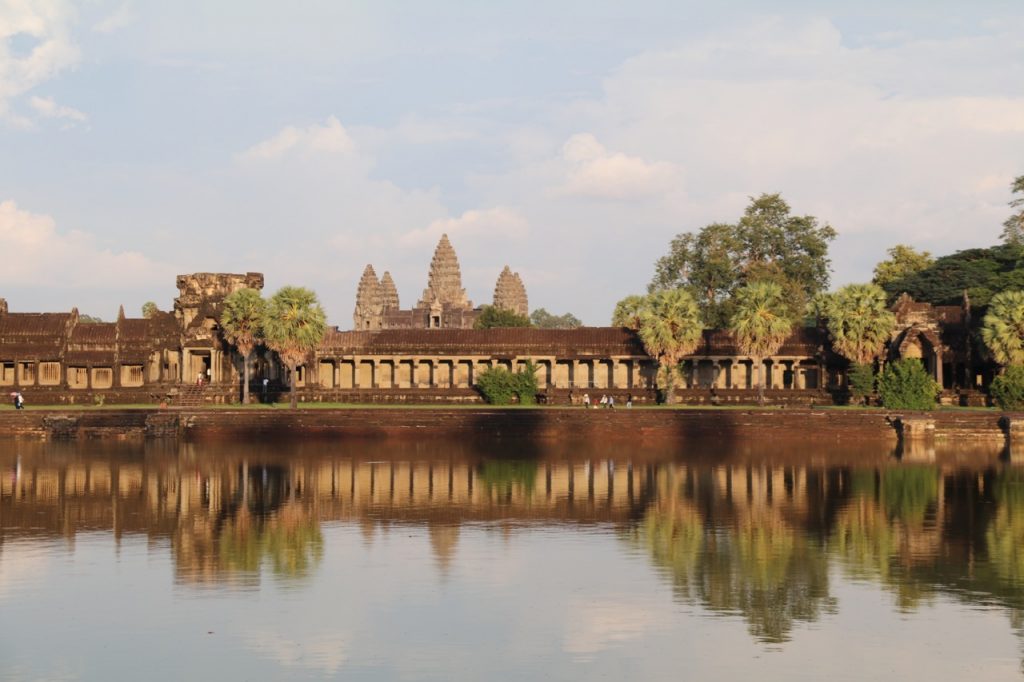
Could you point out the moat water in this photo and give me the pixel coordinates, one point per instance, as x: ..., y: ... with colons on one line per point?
x: 506, y: 561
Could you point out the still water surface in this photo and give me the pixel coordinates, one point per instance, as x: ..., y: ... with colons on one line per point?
x: 441, y: 561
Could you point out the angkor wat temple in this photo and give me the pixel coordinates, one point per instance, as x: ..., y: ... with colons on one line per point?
x: 431, y: 353
x: 443, y: 305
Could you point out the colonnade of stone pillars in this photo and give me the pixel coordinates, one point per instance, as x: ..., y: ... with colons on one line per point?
x: 741, y: 372
x: 400, y: 372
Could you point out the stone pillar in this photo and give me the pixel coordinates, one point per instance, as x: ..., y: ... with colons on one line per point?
x: 938, y: 368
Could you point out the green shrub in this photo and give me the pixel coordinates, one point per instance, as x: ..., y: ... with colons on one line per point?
x: 1008, y: 389
x: 906, y: 385
x: 862, y: 382
x: 499, y: 386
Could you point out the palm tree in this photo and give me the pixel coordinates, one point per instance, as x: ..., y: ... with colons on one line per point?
x: 242, y: 322
x: 761, y: 324
x: 859, y: 322
x: 1003, y: 327
x: 670, y: 328
x: 628, y: 312
x: 293, y: 326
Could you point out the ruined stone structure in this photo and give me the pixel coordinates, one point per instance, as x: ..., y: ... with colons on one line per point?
x: 428, y: 354
x: 443, y: 304
x: 510, y: 294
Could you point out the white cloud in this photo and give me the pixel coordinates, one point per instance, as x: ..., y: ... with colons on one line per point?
x: 330, y: 138
x: 123, y: 16
x: 499, y: 222
x: 48, y: 108
x: 35, y: 46
x: 595, y: 172
x: 45, y: 257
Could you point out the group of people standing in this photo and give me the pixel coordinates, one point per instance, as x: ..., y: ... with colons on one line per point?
x: 19, y: 400
x: 607, y: 401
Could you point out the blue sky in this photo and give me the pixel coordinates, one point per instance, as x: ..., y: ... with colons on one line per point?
x: 569, y: 140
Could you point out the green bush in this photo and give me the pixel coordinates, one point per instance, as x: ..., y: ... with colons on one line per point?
x: 499, y: 386
x: 862, y: 382
x: 1008, y: 389
x: 906, y: 385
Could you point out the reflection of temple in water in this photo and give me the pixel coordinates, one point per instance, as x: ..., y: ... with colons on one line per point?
x: 736, y: 537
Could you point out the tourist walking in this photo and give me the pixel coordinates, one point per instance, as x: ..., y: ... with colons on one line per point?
x: 604, y: 401
x: 19, y: 401
x: 586, y: 400
x: 629, y: 400
x: 611, y: 402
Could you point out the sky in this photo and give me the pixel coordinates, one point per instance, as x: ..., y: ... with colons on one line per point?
x: 569, y: 140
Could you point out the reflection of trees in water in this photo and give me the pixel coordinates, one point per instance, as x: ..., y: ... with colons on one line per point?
x: 753, y: 565
x: 1005, y: 534
x: 260, y: 520
x: 505, y: 474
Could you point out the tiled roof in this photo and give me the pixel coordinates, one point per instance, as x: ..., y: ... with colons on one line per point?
x: 84, y: 357
x: 26, y: 325
x: 94, y: 333
x: 584, y: 341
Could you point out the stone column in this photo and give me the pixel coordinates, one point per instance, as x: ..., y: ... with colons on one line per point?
x: 938, y: 368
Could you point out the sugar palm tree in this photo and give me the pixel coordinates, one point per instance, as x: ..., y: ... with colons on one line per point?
x: 1003, y: 327
x: 670, y: 328
x: 859, y: 322
x: 242, y: 322
x: 628, y: 312
x: 293, y: 326
x: 760, y: 323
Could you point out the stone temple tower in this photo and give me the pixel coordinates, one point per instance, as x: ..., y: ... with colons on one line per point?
x: 369, y: 301
x: 388, y: 293
x: 510, y: 293
x: 444, y: 285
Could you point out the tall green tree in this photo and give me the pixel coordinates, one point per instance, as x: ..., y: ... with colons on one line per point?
x: 761, y: 323
x: 981, y: 273
x: 767, y: 244
x: 1013, y: 228
x: 859, y: 322
x: 542, y: 319
x: 242, y: 323
x: 149, y: 309
x: 491, y: 316
x: 1003, y: 328
x: 670, y: 328
x: 903, y: 262
x: 293, y: 327
x: 629, y: 311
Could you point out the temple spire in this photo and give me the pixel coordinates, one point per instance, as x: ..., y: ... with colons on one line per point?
x: 510, y: 293
x: 369, y: 303
x: 444, y: 284
x: 388, y: 292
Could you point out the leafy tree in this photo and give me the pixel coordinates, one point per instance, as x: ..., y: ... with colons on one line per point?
x: 629, y: 311
x: 542, y: 319
x: 293, y: 326
x: 766, y: 244
x: 981, y: 273
x: 90, y: 319
x: 761, y: 323
x: 1008, y: 389
x: 242, y: 322
x: 149, y: 309
x: 1013, y: 228
x: 905, y: 385
x: 1003, y: 328
x: 859, y: 322
x: 903, y: 262
x: 670, y: 328
x: 499, y: 386
x: 491, y: 317
x: 861, y: 378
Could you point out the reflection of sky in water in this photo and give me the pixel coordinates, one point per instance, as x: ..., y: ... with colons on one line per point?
x: 682, y: 585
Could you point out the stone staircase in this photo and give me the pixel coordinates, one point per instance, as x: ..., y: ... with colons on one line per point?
x: 190, y: 395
